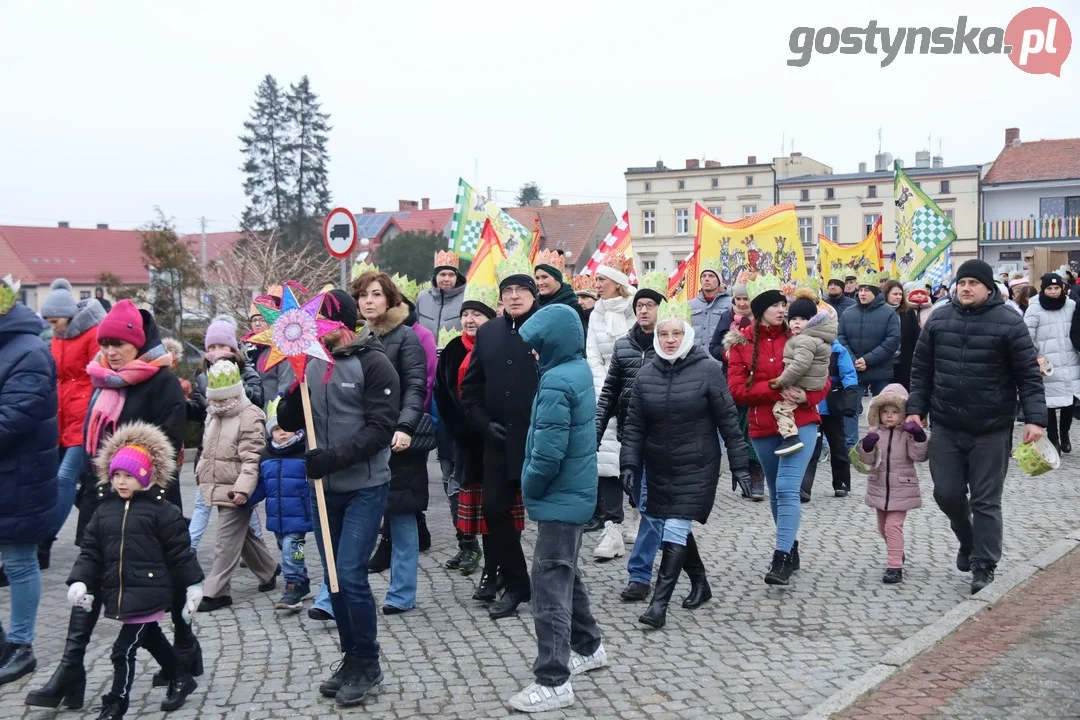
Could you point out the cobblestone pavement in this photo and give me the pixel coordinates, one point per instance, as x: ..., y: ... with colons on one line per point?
x: 752, y: 652
x: 1018, y: 660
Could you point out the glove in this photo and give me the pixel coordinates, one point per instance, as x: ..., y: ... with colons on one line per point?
x: 917, y: 433
x: 78, y: 596
x: 627, y: 477
x: 743, y: 480
x: 497, y: 431
x: 870, y: 441
x: 320, y: 462
x: 194, y: 597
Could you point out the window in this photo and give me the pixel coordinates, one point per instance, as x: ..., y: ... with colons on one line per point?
x: 804, y: 195
x: 717, y: 211
x: 648, y: 222
x: 869, y: 221
x: 806, y: 231
x: 830, y: 194
x: 682, y: 184
x: 1072, y: 206
x: 715, y: 183
x: 830, y: 227
x: 1051, y: 207
x: 84, y: 294
x: 748, y: 210
x: 648, y: 265
x: 749, y: 181
x: 682, y: 221
x: 944, y: 186
x: 950, y: 213
x: 648, y: 186
x: 871, y: 191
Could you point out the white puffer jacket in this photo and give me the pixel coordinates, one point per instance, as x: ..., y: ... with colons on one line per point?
x: 610, y: 320
x: 1050, y: 333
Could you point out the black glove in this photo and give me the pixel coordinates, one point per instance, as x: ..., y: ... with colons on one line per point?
x: 497, y: 431
x: 320, y: 462
x: 743, y: 481
x: 628, y: 477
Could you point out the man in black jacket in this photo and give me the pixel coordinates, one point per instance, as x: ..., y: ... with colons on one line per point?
x: 497, y: 395
x: 972, y: 360
x: 836, y: 297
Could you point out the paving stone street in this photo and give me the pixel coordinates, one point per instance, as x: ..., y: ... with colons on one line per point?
x: 752, y: 652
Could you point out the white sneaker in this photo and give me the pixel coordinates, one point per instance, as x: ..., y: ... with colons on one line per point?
x: 582, y: 664
x: 611, y: 543
x: 541, y: 698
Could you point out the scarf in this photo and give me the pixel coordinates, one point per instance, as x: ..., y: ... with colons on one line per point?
x: 1049, y: 303
x: 613, y: 312
x: 223, y: 407
x: 112, y: 388
x: 469, y: 341
x: 288, y: 443
x: 683, y: 349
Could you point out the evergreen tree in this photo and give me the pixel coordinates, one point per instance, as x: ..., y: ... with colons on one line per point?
x: 527, y: 194
x: 269, y: 164
x: 309, y: 195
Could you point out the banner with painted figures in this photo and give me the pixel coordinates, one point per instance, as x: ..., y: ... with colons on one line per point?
x: 837, y: 261
x: 923, y: 230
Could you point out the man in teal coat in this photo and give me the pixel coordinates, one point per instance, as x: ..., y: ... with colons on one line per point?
x: 558, y: 486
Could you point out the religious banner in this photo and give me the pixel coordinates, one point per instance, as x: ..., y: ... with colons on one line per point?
x: 471, y: 209
x: 923, y: 230
x: 837, y: 261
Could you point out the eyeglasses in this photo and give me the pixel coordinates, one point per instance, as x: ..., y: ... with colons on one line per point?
x: 672, y: 334
x: 513, y: 290
x: 646, y: 305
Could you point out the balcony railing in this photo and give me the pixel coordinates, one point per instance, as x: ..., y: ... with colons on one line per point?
x: 1045, y: 228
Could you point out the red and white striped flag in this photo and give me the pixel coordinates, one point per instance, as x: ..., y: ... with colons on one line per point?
x: 618, y: 240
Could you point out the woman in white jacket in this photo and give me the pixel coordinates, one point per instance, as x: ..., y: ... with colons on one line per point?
x: 1049, y: 320
x: 612, y: 317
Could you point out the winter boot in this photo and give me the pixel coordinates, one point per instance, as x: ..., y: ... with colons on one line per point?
x: 700, y: 592
x: 44, y: 553
x: 781, y: 569
x: 68, y: 683
x: 182, y: 686
x: 191, y: 662
x: 796, y: 563
x: 422, y: 532
x: 757, y: 482
x: 486, y: 590
x: 893, y: 576
x: 471, y: 556
x: 112, y: 708
x: 380, y: 561
x: 981, y: 576
x: 671, y: 565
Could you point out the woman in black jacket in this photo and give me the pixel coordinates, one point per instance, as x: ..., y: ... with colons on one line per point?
x: 680, y: 401
x: 896, y: 298
x: 384, y: 312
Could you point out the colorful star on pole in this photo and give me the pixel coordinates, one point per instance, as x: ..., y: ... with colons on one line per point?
x: 294, y: 333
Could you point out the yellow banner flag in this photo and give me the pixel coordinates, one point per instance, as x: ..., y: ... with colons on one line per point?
x: 837, y: 261
x: 923, y: 230
x: 766, y: 243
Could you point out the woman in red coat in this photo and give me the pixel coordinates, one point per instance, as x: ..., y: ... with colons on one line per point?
x: 756, y: 356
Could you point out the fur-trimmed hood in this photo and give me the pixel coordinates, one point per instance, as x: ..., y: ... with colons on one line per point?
x: 893, y: 394
x: 87, y: 317
x: 393, y: 317
x: 145, y: 435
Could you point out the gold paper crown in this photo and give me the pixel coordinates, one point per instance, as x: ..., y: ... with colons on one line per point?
x: 9, y: 293
x: 621, y: 262
x: 870, y: 276
x: 361, y: 267
x: 271, y: 407
x: 445, y: 336
x: 673, y: 310
x: 447, y: 258
x: 223, y: 374
x: 654, y: 280
x: 712, y: 264
x: 760, y: 284
x: 486, y: 295
x: 516, y: 264
x: 584, y: 284
x: 552, y: 258
x: 409, y: 289
x: 812, y: 284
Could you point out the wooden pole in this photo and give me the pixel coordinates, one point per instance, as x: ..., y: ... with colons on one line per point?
x: 320, y: 495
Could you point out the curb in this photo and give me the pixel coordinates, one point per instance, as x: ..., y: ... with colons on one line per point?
x: 897, y: 658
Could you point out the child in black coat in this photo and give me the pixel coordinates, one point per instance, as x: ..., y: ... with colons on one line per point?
x: 136, y: 553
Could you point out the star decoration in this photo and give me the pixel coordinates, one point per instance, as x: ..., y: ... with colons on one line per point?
x: 295, y: 332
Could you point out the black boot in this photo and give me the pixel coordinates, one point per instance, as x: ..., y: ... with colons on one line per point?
x: 795, y: 562
x: 486, y: 590
x: 182, y: 686
x: 191, y: 662
x: 68, y: 683
x: 781, y: 569
x: 44, y: 553
x: 422, y: 532
x: 4, y: 582
x: 380, y: 561
x: 112, y: 708
x: 700, y: 592
x: 671, y: 564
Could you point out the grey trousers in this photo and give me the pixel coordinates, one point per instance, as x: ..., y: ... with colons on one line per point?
x: 969, y: 475
x: 236, y: 539
x: 560, y: 604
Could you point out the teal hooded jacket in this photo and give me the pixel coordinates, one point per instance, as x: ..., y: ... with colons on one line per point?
x: 558, y: 480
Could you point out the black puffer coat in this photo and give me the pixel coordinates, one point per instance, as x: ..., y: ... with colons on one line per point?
x: 408, y: 470
x: 468, y: 443
x: 631, y: 351
x: 969, y: 366
x: 670, y: 432
x: 909, y: 336
x: 136, y: 554
x: 871, y: 332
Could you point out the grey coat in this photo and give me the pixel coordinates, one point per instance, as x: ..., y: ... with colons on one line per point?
x: 437, y: 309
x: 705, y: 316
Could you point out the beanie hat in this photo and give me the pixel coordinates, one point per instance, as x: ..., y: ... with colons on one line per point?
x: 647, y: 294
x: 765, y: 300
x: 223, y: 381
x: 802, y: 308
x: 59, y: 303
x: 837, y: 282
x: 135, y: 461
x: 125, y: 323
x: 222, y: 331
x: 978, y: 270
x: 339, y: 306
x: 1051, y: 278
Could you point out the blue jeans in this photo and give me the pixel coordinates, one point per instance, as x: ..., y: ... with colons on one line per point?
x: 676, y: 530
x: 404, y: 561
x: 647, y: 543
x: 21, y: 567
x: 68, y: 483
x: 355, y: 518
x: 293, y: 567
x: 784, y: 476
x: 200, y: 519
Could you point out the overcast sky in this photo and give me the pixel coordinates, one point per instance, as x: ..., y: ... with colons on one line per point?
x: 109, y: 109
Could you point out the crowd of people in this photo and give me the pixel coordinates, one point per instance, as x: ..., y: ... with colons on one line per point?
x: 553, y: 399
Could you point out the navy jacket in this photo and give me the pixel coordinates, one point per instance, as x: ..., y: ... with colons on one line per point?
x: 872, y: 332
x: 29, y: 433
x: 283, y: 484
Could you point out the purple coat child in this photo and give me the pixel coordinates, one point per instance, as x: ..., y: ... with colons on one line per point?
x: 893, y: 483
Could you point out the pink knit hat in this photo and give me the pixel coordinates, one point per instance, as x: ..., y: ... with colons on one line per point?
x: 222, y: 331
x: 135, y: 461
x: 125, y: 323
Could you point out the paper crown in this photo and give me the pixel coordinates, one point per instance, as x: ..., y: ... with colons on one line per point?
x: 621, y: 262
x: 870, y: 276
x: 712, y: 264
x: 409, y: 289
x: 673, y: 310
x: 486, y: 295
x: 516, y: 264
x: 271, y: 407
x: 552, y: 258
x: 446, y: 335
x: 742, y: 278
x: 654, y: 280
x: 584, y: 285
x: 9, y: 293
x: 223, y: 374
x: 762, y: 283
x: 359, y: 268
x: 446, y: 258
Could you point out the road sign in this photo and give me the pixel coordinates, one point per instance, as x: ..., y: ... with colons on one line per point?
x: 339, y: 232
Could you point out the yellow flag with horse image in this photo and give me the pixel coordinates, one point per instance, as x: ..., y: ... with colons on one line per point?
x: 766, y: 243
x: 923, y: 230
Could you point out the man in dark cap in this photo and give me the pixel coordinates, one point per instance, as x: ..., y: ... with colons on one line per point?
x: 836, y: 297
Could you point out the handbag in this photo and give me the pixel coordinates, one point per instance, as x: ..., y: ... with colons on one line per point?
x: 424, y: 436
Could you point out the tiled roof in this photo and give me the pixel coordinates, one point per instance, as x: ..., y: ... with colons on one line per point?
x: 433, y: 221
x: 565, y: 226
x: 1037, y: 160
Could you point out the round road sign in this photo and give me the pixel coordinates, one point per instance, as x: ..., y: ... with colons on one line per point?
x: 339, y: 232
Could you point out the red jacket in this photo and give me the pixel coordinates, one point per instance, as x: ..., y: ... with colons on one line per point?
x: 72, y: 355
x: 759, y: 397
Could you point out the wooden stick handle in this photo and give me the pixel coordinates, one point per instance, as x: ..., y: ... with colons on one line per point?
x: 320, y: 494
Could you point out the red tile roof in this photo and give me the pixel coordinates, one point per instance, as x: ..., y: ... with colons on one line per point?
x: 1037, y: 160
x: 433, y: 221
x: 565, y: 226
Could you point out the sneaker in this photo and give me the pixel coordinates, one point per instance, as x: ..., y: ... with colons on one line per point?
x: 359, y: 679
x: 178, y: 691
x: 541, y: 698
x: 319, y: 614
x: 611, y: 543
x: 893, y: 576
x: 471, y: 562
x: 981, y: 576
x: 293, y: 597
x: 18, y: 660
x: 963, y: 559
x: 272, y: 582
x: 585, y: 663
x: 635, y: 592
x: 380, y: 560
x: 788, y: 446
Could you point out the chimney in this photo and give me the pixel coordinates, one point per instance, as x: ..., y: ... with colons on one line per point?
x: 554, y: 202
x: 368, y: 211
x: 692, y: 164
x: 63, y: 224
x: 712, y: 163
x: 751, y: 160
x: 1011, y: 136
x: 102, y: 226
x: 403, y: 205
x: 659, y: 164
x: 862, y: 167
x: 938, y: 161
x: 425, y: 203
